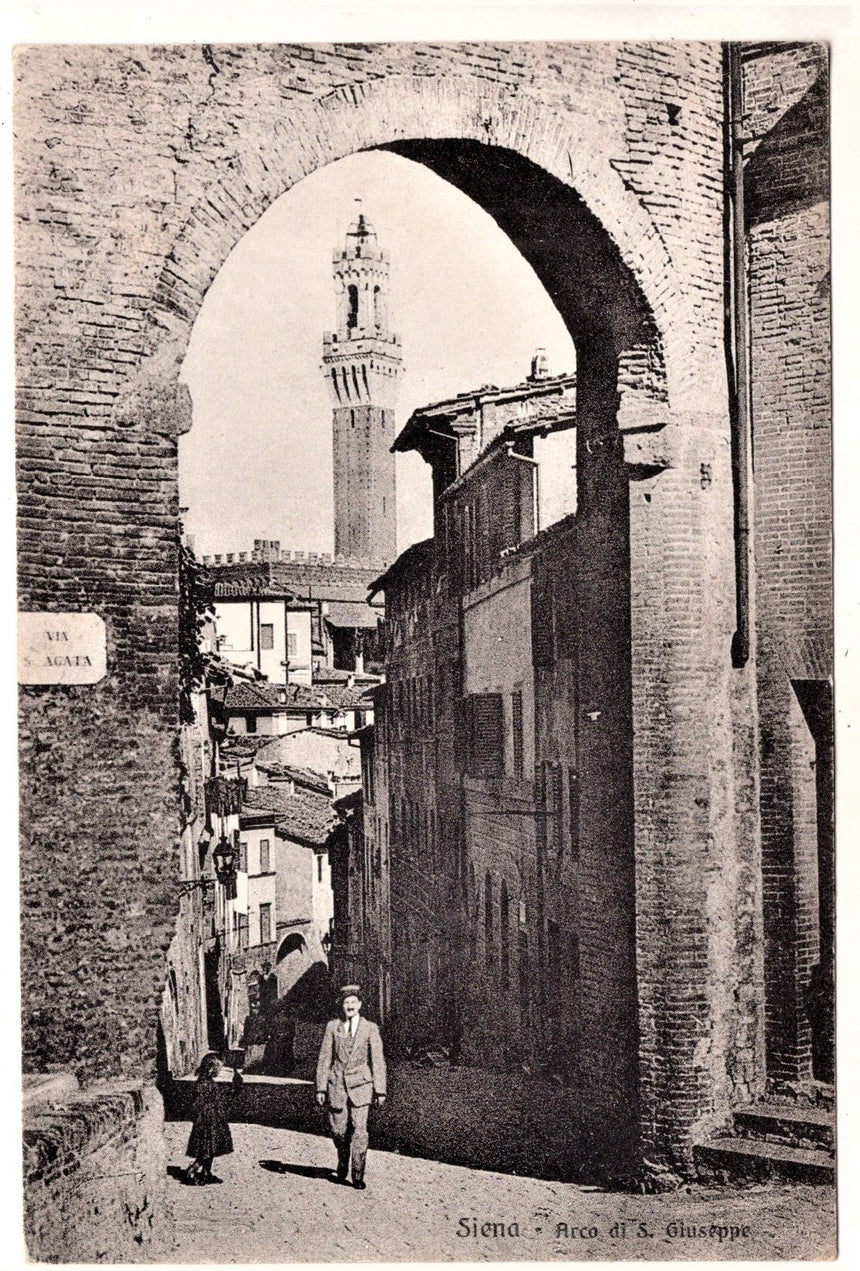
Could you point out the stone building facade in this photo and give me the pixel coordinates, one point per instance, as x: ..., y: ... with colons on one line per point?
x: 513, y: 916
x: 614, y: 168
x: 361, y: 877
x: 292, y: 616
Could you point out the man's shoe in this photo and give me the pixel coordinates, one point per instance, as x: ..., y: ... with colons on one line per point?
x: 340, y: 1176
x: 359, y: 1184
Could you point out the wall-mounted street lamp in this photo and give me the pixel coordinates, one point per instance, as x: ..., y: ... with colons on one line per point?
x: 224, y: 860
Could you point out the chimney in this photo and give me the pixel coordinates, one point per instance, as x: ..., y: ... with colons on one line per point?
x: 540, y: 366
x: 359, y: 664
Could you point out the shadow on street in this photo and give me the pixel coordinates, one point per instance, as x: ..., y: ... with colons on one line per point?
x: 303, y: 1171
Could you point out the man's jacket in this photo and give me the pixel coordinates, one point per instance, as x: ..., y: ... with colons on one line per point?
x: 351, y: 1066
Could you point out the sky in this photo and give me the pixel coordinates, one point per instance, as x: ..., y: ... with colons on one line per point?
x: 468, y: 308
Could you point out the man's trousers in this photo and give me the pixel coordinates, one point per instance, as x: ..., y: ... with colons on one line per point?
x: 349, y: 1130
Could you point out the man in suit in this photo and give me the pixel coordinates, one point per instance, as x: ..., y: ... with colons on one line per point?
x: 350, y: 1073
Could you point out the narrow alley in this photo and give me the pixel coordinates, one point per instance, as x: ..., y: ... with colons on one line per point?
x: 278, y: 1203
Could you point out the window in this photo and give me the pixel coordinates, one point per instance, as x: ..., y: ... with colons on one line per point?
x: 352, y: 297
x: 250, y: 723
x: 557, y: 807
x: 540, y: 810
x: 488, y: 918
x: 319, y: 868
x: 484, y: 735
x: 504, y: 932
x: 367, y: 774
x: 267, y: 635
x: 517, y: 731
x: 292, y: 643
x: 553, y: 953
x: 543, y: 652
x: 573, y: 809
x: 243, y: 857
x: 265, y: 924
x: 264, y: 856
x: 242, y: 930
x: 525, y: 981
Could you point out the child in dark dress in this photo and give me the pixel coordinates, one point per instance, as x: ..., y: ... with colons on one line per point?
x: 210, y: 1133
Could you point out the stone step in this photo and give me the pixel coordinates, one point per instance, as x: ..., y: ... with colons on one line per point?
x: 55, y: 1087
x: 758, y: 1160
x: 796, y: 1126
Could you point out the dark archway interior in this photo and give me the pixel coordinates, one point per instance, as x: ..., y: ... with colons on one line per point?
x: 550, y: 225
x: 293, y: 943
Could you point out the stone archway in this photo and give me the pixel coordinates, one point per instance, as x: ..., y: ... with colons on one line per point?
x: 209, y: 143
x: 642, y: 373
x: 402, y: 114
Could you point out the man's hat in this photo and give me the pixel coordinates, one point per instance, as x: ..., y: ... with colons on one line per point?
x: 350, y: 990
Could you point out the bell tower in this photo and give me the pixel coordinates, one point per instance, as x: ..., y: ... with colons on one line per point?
x: 362, y: 364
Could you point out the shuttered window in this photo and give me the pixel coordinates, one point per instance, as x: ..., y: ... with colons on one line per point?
x: 573, y: 809
x: 558, y: 806
x: 505, y: 933
x: 485, y: 729
x: 517, y: 731
x: 553, y: 940
x: 265, y: 924
x: 488, y: 918
x: 559, y: 567
x: 542, y: 609
x: 540, y: 810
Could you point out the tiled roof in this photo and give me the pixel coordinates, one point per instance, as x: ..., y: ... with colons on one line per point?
x: 334, y: 675
x: 302, y: 582
x: 260, y: 695
x: 305, y: 814
x: 349, y: 614
x: 254, y: 694
x: 417, y: 558
x: 291, y: 772
x: 342, y: 697
x: 469, y: 403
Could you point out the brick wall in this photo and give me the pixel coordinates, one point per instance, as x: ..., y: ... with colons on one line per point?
x: 786, y: 186
x: 94, y: 1177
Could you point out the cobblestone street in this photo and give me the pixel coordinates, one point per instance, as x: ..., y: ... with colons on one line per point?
x: 277, y: 1203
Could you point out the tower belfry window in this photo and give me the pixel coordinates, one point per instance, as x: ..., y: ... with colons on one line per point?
x: 352, y: 316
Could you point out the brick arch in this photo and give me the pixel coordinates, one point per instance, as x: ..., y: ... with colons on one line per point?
x: 383, y: 114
